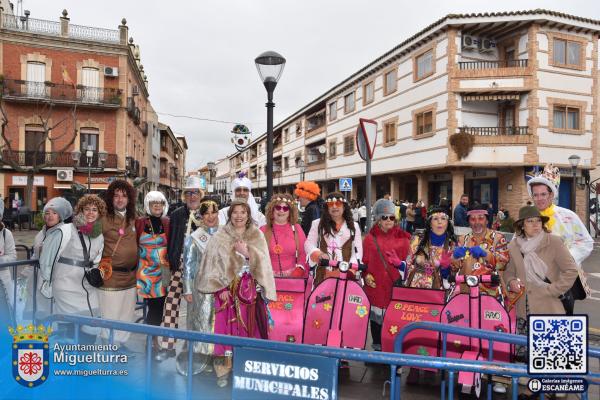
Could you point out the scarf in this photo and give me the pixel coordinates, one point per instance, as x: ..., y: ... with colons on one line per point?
x: 437, y: 240
x: 194, y: 220
x: 549, y: 212
x: 535, y: 267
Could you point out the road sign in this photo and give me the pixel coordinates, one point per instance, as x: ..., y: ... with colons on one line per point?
x: 345, y: 184
x: 366, y: 138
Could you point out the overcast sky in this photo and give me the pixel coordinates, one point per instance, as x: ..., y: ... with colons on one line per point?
x: 199, y: 55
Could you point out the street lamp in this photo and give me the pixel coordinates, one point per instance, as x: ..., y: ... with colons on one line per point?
x: 270, y: 66
x: 574, y: 161
x: 302, y: 165
x: 89, y: 154
x: 211, y: 170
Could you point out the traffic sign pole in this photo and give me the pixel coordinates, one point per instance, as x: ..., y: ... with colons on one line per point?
x: 366, y: 138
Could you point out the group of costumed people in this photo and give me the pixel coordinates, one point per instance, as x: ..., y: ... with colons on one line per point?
x: 223, y: 262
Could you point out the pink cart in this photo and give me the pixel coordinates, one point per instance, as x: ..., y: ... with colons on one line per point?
x: 288, y: 310
x: 337, y: 312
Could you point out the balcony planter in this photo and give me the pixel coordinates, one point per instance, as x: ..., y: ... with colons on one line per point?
x: 462, y: 144
x: 115, y: 100
x: 49, y: 84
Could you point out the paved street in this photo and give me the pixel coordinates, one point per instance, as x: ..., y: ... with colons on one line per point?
x: 359, y: 382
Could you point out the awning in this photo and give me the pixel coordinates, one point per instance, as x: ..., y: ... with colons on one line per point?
x: 94, y: 186
x: 490, y: 97
x: 62, y: 186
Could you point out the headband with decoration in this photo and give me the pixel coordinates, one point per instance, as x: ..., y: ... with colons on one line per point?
x: 284, y: 200
x: 477, y: 212
x: 334, y: 199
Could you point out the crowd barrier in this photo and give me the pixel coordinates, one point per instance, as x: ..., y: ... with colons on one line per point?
x: 486, y: 335
x: 394, y: 360
x: 13, y: 267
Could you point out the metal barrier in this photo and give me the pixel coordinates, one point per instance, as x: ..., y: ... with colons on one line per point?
x: 452, y: 365
x: 14, y: 267
x: 491, y: 337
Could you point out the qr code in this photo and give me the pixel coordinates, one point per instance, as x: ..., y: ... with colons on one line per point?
x: 557, y: 344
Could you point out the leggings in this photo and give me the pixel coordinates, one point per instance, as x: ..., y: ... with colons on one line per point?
x: 155, y: 310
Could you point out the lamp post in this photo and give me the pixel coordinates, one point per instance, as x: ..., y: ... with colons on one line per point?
x: 302, y: 165
x: 89, y: 154
x: 211, y: 170
x: 270, y: 66
x: 574, y: 161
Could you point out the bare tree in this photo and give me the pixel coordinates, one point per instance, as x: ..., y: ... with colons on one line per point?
x: 40, y: 159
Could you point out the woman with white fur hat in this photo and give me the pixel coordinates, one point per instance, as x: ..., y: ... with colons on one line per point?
x: 153, y: 272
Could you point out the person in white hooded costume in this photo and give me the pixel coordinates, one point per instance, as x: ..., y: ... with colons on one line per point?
x: 241, y: 188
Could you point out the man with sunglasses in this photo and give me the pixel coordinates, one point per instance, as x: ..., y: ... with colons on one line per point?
x: 241, y: 188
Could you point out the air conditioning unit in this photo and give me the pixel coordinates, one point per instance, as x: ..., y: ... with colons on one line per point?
x: 486, y: 45
x: 469, y: 42
x: 64, y: 175
x: 111, y: 71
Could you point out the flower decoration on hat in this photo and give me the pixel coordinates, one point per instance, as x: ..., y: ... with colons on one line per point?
x: 335, y: 199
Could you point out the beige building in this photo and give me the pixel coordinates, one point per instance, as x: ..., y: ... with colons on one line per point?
x: 468, y: 105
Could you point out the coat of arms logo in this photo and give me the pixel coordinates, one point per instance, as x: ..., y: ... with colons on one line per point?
x: 30, y: 354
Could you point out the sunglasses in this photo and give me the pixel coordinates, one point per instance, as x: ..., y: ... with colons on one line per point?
x: 191, y: 193
x: 386, y: 217
x: 337, y: 203
x: 282, y: 208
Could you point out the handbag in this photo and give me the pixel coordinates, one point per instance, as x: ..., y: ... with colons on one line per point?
x: 92, y: 275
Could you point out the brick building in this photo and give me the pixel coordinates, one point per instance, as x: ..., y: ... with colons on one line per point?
x: 522, y: 85
x: 93, y: 81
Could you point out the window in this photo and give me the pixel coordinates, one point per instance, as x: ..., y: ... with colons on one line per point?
x: 286, y: 135
x: 88, y: 140
x: 390, y: 82
x: 424, y: 65
x: 389, y: 133
x: 332, y: 149
x: 36, y: 75
x: 368, y: 93
x: 424, y: 121
x: 286, y: 163
x: 34, y: 141
x: 333, y: 110
x: 298, y: 129
x: 349, y: 145
x: 90, y: 80
x: 566, y: 53
x: 349, y: 103
x: 566, y: 118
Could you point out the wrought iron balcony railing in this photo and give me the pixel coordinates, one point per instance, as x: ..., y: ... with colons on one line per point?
x: 53, y: 28
x: 16, y: 89
x: 315, y: 121
x: 495, y: 130
x: 522, y: 63
x: 55, y: 159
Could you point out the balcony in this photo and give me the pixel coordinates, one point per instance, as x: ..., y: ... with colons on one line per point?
x: 477, y: 65
x: 53, y: 28
x: 499, y: 135
x: 58, y: 93
x: 133, y: 111
x: 55, y: 159
x: 315, y: 123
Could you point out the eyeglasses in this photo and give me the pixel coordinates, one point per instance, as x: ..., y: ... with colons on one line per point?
x: 386, y: 217
x: 190, y: 193
x: 282, y: 208
x: 337, y: 203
